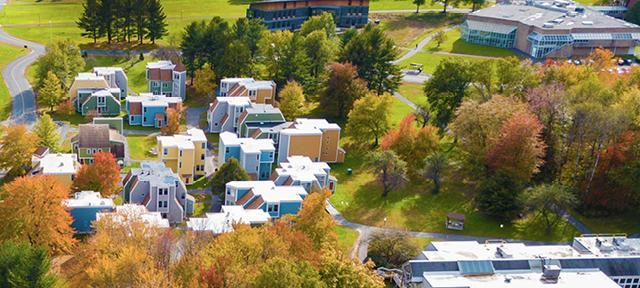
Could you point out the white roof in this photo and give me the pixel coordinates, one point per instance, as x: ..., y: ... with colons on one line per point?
x: 148, y: 99
x: 608, y: 245
x: 472, y: 250
x: 183, y: 141
x: 162, y: 64
x: 235, y: 100
x: 106, y: 70
x: 520, y: 280
x: 302, y: 168
x: 57, y: 163
x: 301, y: 131
x: 248, y: 145
x: 88, y: 199
x: 249, y: 83
x: 88, y: 76
x: 270, y: 192
x: 127, y: 213
x: 223, y: 221
x: 322, y: 124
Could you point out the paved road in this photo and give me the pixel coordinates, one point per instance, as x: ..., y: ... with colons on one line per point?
x: 193, y: 116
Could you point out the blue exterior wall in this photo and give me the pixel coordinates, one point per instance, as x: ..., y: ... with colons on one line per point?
x: 150, y: 116
x: 265, y: 171
x: 290, y: 208
x: 292, y: 18
x: 234, y: 151
x: 83, y: 216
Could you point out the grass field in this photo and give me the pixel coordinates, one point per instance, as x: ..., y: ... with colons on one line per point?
x: 619, y: 223
x: 346, y: 238
x: 409, y: 28
x: 413, y: 92
x: 413, y: 207
x: 203, y: 202
x: 7, y: 54
x: 140, y: 146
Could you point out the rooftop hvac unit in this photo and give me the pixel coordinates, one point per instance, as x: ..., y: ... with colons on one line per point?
x: 547, y: 25
x: 587, y: 22
x: 550, y: 273
x: 502, y: 253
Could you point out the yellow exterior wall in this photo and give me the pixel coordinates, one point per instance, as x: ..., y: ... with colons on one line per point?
x: 330, y: 141
x: 305, y: 145
x: 64, y: 178
x: 186, y: 170
x: 198, y: 152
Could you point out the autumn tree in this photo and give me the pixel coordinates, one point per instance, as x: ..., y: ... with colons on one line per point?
x: 32, y: 212
x: 205, y: 82
x: 314, y: 221
x: 103, y: 175
x: 341, y: 89
x: 16, y: 147
x: 544, y: 199
x: 291, y: 100
x: 369, y: 118
x: 411, y: 143
x: 174, y: 116
x: 391, y: 249
x: 24, y: 265
x: 446, y: 89
x: 229, y: 171
x: 50, y: 93
x: 45, y: 129
x: 434, y: 166
x: 601, y: 59
x: 391, y: 170
x: 518, y: 151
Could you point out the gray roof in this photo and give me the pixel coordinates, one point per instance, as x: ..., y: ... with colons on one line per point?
x: 538, y: 17
x: 96, y: 136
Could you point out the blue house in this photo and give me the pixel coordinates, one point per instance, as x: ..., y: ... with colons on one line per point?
x: 84, y: 206
x: 256, y: 156
x: 266, y: 196
x: 150, y: 110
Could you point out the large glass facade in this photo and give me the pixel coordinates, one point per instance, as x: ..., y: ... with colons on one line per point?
x: 491, y: 34
x: 542, y: 45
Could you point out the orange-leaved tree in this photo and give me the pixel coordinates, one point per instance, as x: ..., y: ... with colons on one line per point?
x: 173, y: 122
x: 314, y: 220
x: 411, y: 143
x: 32, y: 211
x: 103, y: 175
x: 16, y: 147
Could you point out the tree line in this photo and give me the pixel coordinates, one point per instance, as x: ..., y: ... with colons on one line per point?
x: 120, y: 20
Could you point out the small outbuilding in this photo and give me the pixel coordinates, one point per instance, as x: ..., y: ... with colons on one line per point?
x: 455, y: 221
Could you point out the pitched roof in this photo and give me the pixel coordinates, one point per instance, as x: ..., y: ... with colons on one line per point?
x: 256, y: 203
x: 93, y: 135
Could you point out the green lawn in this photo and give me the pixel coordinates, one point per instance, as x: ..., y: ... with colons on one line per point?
x: 413, y: 207
x: 619, y: 223
x: 454, y: 44
x: 413, y: 92
x: 407, y: 29
x: 200, y: 183
x: 398, y: 111
x: 7, y: 54
x: 346, y: 238
x: 430, y: 60
x: 140, y: 146
x: 203, y: 202
x: 127, y: 168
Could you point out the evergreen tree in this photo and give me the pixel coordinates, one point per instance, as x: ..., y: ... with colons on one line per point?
x: 89, y: 21
x: 192, y: 37
x: 23, y: 265
x: 140, y: 18
x: 50, y: 93
x: 107, y: 17
x: 157, y: 21
x: 45, y: 129
x: 229, y: 171
x: 126, y: 20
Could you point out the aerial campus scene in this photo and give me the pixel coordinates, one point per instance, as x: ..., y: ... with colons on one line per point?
x: 320, y: 143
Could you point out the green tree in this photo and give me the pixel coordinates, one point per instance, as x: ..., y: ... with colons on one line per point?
x: 369, y: 118
x: 633, y: 15
x: 284, y: 57
x: 499, y: 196
x: 545, y: 199
x: 157, y: 21
x: 50, y: 93
x: 140, y: 19
x: 214, y: 44
x: 320, y: 50
x: 89, y: 21
x: 391, y: 249
x: 191, y: 46
x: 229, y: 171
x: 374, y: 53
x: 107, y: 17
x: 434, y: 165
x: 323, y: 22
x: 391, y: 170
x: 205, y: 82
x: 341, y: 88
x: 63, y: 58
x: 440, y: 38
x: 515, y: 77
x: 23, y: 265
x: 419, y: 3
x: 250, y: 31
x: 16, y: 147
x: 46, y: 131
x: 291, y: 100
x: 446, y: 89
x: 237, y: 59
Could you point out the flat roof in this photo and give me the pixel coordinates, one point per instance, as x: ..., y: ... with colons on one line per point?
x: 527, y: 279
x: 155, y: 172
x: 183, y: 140
x: 248, y: 145
x: 270, y: 192
x: 58, y: 163
x: 561, y: 18
x: 88, y: 199
x: 322, y: 124
x: 223, y: 221
x: 162, y: 64
x: 148, y: 99
x: 127, y: 213
x: 234, y: 100
x: 88, y: 76
x: 302, y: 168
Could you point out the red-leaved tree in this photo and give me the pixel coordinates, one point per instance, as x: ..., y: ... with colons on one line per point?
x: 102, y: 176
x: 411, y: 143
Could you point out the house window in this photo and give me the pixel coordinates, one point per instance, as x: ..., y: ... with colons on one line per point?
x: 202, y: 145
x: 228, y: 191
x: 180, y: 153
x: 201, y: 156
x: 252, y: 93
x: 144, y: 119
x: 179, y: 164
x: 226, y: 150
x: 145, y: 109
x: 130, y: 118
x: 165, y: 151
x: 273, y: 208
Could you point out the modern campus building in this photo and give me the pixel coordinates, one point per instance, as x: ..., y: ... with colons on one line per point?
x: 258, y: 91
x: 559, y: 29
x: 184, y: 153
x: 256, y: 156
x: 62, y: 166
x: 590, y: 261
x: 289, y: 14
x: 93, y: 138
x: 84, y: 207
x: 158, y: 189
x: 150, y: 109
x: 166, y: 78
x: 93, y: 93
x: 223, y: 221
x: 277, y: 201
x: 301, y: 171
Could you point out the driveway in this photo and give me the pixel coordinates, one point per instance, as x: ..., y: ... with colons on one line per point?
x: 193, y: 116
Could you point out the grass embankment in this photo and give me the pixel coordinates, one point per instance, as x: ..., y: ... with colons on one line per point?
x: 8, y: 53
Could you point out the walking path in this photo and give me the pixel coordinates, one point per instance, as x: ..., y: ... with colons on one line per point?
x: 421, y: 45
